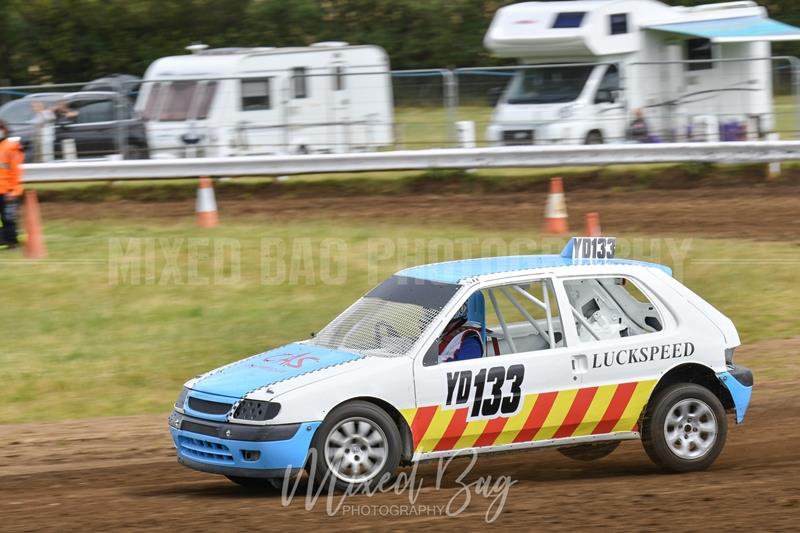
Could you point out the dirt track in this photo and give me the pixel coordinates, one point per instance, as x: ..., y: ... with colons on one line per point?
x: 759, y: 212
x: 120, y: 473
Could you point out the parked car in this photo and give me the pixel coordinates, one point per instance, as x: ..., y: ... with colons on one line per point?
x: 104, y: 124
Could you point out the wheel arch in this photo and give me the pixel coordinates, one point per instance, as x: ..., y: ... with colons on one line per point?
x: 402, y: 426
x: 698, y: 374
x: 598, y: 131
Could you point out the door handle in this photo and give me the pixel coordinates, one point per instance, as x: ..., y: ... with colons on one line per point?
x: 580, y: 364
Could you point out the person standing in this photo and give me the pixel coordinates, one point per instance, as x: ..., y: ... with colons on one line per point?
x: 11, y: 159
x: 44, y: 129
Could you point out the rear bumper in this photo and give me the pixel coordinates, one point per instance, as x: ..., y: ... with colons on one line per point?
x: 739, y: 382
x: 240, y: 450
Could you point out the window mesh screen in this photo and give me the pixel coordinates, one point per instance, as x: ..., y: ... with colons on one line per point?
x: 376, y: 327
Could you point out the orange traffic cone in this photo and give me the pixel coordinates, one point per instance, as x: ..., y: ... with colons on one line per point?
x: 206, y: 207
x: 555, y: 212
x: 34, y: 245
x: 592, y: 225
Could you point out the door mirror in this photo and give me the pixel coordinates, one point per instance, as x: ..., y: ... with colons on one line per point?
x: 604, y: 96
x: 493, y: 96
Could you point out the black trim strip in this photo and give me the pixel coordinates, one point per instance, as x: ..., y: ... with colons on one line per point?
x: 408, y: 290
x: 227, y: 431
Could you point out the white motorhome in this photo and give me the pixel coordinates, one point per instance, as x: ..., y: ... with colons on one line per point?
x: 329, y: 97
x: 587, y: 68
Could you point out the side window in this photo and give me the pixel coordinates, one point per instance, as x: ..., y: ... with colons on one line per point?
x: 618, y: 23
x: 502, y: 320
x: 256, y: 94
x: 610, y: 308
x: 94, y: 111
x: 338, y: 78
x: 299, y: 79
x: 697, y: 49
x: 608, y: 87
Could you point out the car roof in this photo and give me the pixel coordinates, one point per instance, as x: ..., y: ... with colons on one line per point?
x: 467, y: 269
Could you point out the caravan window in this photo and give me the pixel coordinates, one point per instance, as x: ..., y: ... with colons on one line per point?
x: 153, y: 101
x: 697, y: 49
x: 338, y: 78
x: 256, y: 94
x: 618, y: 23
x: 548, y: 85
x: 178, y: 100
x: 209, y: 91
x: 299, y: 89
x: 572, y: 19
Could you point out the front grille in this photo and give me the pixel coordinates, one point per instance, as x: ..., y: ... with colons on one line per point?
x: 518, y: 137
x: 203, y: 449
x: 256, y: 411
x: 209, y: 407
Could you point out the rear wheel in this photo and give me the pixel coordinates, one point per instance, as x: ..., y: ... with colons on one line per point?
x: 356, y: 445
x: 684, y: 428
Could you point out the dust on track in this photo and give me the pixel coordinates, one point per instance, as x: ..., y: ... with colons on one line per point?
x: 757, y: 212
x: 120, y: 473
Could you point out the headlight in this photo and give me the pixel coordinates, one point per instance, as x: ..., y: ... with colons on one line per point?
x: 181, y: 399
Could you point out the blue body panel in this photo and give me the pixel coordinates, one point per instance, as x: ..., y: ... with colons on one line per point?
x: 292, y: 360
x: 217, y: 452
x: 456, y: 271
x: 743, y: 28
x: 740, y: 394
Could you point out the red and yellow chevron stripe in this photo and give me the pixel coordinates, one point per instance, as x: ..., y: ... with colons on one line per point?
x: 543, y: 416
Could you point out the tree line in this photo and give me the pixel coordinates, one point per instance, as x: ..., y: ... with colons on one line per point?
x: 52, y: 41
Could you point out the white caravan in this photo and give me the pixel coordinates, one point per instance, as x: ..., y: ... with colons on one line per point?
x: 590, y: 65
x: 325, y: 98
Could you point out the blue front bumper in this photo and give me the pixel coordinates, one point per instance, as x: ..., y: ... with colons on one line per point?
x: 739, y: 382
x: 246, y: 458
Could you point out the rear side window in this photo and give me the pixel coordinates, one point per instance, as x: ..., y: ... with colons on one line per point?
x: 94, y: 111
x: 610, y: 308
x: 572, y: 19
x: 256, y: 94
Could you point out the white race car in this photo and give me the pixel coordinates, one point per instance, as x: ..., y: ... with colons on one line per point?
x: 577, y: 351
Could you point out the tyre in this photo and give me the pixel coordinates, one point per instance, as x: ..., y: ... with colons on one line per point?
x: 684, y: 428
x: 594, y: 137
x: 356, y: 445
x: 589, y: 452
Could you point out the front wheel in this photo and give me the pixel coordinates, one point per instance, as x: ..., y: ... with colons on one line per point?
x: 685, y: 427
x: 356, y: 445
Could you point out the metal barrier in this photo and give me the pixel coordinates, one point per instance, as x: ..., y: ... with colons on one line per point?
x: 475, y: 158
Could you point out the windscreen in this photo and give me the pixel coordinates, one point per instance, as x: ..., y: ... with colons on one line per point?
x: 548, y: 85
x: 389, y: 320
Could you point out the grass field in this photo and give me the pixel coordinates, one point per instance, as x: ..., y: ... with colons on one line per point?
x: 84, y: 337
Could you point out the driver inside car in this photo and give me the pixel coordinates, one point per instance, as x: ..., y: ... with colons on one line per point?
x: 462, y: 339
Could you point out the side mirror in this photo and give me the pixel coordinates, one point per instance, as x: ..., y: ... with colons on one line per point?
x: 493, y: 96
x: 604, y: 96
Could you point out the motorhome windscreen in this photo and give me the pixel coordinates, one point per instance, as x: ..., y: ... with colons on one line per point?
x: 389, y: 320
x: 548, y: 85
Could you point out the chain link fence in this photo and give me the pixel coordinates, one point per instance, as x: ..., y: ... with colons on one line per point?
x: 340, y: 110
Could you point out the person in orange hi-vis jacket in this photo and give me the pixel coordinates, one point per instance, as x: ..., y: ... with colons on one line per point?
x: 11, y: 159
